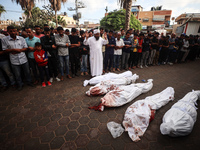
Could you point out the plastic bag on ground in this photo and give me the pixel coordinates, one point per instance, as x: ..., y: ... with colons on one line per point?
x: 123, y: 95
x: 107, y: 76
x: 105, y: 86
x: 139, y: 114
x: 115, y: 129
x: 180, y: 119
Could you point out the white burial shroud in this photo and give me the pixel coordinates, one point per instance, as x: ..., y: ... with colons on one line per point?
x: 180, y: 119
x: 105, y: 86
x: 107, y: 76
x: 139, y: 114
x: 124, y: 94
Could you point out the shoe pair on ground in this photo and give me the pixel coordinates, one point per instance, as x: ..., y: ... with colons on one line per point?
x: 84, y: 73
x: 51, y: 79
x: 44, y: 84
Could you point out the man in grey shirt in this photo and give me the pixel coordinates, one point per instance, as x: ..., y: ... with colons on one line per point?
x: 63, y: 42
x: 15, y: 46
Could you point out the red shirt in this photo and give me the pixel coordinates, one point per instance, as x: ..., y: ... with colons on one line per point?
x: 39, y: 36
x: 39, y: 57
x: 140, y: 41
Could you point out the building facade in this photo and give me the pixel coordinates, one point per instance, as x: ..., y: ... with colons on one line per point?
x: 188, y: 23
x: 151, y: 20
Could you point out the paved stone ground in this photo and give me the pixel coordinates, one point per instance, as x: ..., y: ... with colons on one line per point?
x: 58, y: 117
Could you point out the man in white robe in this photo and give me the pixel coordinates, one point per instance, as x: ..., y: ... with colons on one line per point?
x: 96, y: 58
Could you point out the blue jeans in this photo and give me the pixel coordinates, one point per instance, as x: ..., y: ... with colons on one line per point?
x: 84, y: 63
x: 116, y: 61
x: 17, y: 72
x: 64, y: 59
x: 4, y: 66
x: 108, y: 59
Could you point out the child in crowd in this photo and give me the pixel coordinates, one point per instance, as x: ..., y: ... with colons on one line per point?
x: 42, y: 61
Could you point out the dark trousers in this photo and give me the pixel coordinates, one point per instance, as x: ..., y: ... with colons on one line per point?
x: 74, y: 60
x: 108, y: 59
x: 44, y: 71
x: 172, y: 56
x: 33, y: 66
x: 180, y: 56
x: 133, y: 59
x: 17, y: 72
x: 53, y: 66
x: 139, y: 56
x: 163, y: 55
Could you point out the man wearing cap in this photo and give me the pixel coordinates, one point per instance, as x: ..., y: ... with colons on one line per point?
x: 96, y: 59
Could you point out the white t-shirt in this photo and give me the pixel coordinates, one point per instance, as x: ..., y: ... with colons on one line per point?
x: 119, y: 43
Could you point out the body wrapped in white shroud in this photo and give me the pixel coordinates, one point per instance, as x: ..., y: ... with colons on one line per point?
x: 105, y: 86
x: 107, y: 76
x: 139, y: 114
x: 180, y: 119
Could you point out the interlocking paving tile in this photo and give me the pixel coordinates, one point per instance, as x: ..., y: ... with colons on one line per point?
x: 84, y: 120
x: 39, y: 131
x: 71, y: 135
x: 44, y: 122
x: 81, y: 140
x: 93, y: 124
x: 23, y: 138
x: 61, y: 130
x: 73, y: 125
x: 83, y: 129
x: 75, y: 116
x: 64, y: 121
x: 93, y: 133
x: 105, y: 139
x: 56, y: 117
x: 94, y: 144
x: 68, y: 146
x: 57, y: 142
x: 47, y: 137
x: 52, y: 126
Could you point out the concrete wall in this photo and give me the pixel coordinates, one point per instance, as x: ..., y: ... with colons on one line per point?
x: 192, y: 28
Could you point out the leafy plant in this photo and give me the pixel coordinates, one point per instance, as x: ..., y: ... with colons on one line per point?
x: 115, y: 20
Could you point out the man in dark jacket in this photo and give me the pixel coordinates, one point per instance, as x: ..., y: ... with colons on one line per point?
x: 48, y: 44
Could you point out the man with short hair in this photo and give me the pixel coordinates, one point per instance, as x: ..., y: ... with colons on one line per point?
x: 48, y: 44
x: 126, y: 51
x: 30, y: 41
x: 154, y: 46
x: 96, y: 59
x: 109, y: 53
x: 62, y: 42
x: 38, y: 33
x: 16, y: 46
x: 67, y: 32
x: 145, y: 50
x: 118, y: 51
x: 74, y: 52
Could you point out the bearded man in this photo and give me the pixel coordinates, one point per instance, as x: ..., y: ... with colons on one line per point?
x: 96, y: 58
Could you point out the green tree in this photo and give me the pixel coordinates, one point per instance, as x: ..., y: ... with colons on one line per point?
x: 127, y: 4
x: 61, y: 21
x: 26, y: 5
x: 56, y: 5
x: 2, y: 10
x: 39, y: 17
x: 116, y: 20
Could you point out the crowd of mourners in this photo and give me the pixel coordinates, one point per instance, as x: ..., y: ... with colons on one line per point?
x: 47, y: 53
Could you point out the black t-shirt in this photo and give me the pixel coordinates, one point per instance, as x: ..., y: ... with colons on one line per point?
x: 154, y: 40
x: 145, y: 45
x: 74, y: 40
x: 83, y: 52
